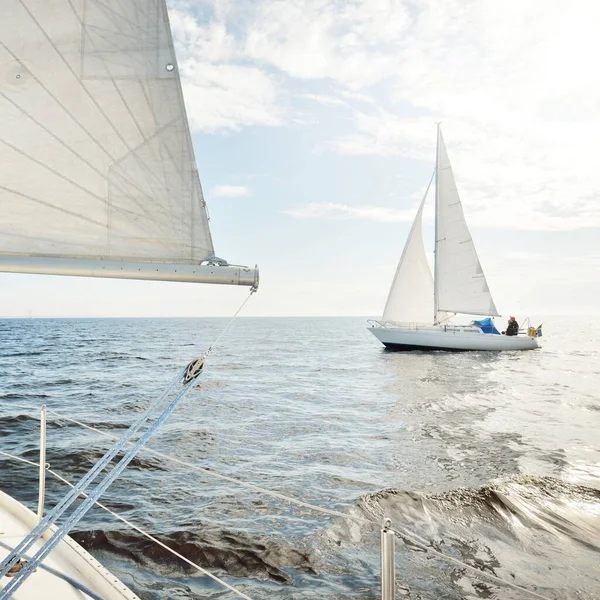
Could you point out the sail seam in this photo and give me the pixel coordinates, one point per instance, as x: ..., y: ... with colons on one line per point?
x: 133, y: 153
x: 130, y: 153
x: 54, y: 171
x: 109, y: 162
x: 122, y: 187
x: 58, y: 102
x: 148, y: 102
x: 53, y: 135
x: 74, y: 11
x: 128, y: 109
x: 52, y: 206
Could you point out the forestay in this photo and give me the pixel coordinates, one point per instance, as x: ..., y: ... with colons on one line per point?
x: 461, y: 286
x: 96, y: 159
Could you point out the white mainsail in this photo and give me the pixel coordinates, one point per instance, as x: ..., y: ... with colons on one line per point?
x: 460, y: 284
x: 96, y: 157
x: 411, y: 296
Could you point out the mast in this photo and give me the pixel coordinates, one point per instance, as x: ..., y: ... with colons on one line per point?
x: 435, y: 247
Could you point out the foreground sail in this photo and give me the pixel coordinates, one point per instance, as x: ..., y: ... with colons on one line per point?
x: 416, y: 315
x: 97, y: 169
x: 98, y: 179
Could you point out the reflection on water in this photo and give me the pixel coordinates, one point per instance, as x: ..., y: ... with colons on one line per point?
x: 492, y: 457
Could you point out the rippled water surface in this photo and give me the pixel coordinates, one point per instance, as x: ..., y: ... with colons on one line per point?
x: 492, y: 458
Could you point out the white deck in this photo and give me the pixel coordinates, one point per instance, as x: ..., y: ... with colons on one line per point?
x: 68, y: 557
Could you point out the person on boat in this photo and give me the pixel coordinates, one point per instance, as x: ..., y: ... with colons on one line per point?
x: 513, y: 327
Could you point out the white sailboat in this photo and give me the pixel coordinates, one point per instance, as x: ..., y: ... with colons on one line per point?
x: 97, y: 179
x: 419, y: 306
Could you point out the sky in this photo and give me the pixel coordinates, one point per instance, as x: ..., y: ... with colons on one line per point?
x: 314, y: 126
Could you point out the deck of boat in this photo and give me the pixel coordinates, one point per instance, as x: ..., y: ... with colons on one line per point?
x: 69, y: 572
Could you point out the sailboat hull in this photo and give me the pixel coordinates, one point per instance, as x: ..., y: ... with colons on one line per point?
x: 453, y: 339
x: 69, y: 572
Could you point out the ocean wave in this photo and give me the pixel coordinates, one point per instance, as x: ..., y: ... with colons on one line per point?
x: 236, y: 554
x: 77, y: 461
x: 513, y: 505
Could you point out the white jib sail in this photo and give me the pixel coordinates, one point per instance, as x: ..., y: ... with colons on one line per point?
x: 411, y: 296
x: 460, y: 283
x: 96, y: 158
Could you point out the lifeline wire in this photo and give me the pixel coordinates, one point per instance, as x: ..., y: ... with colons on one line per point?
x: 133, y: 526
x: 62, y: 531
x: 407, y: 536
x: 72, y: 520
x: 410, y: 537
x: 478, y: 572
x: 85, y: 481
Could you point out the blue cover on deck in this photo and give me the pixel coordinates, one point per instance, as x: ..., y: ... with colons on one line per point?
x: 487, y: 326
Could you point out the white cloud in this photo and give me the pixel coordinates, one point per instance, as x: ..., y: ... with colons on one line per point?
x: 314, y: 39
x: 229, y: 191
x: 323, y: 99
x: 356, y: 96
x: 512, y: 85
x: 384, y: 134
x: 222, y: 92
x: 334, y: 211
x: 532, y: 286
x: 531, y: 178
x: 221, y: 97
x: 520, y: 257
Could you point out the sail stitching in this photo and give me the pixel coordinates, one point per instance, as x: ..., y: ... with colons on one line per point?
x: 52, y: 134
x: 147, y: 172
x: 195, y: 177
x: 52, y: 206
x: 51, y: 95
x: 132, y: 151
x: 171, y: 157
x: 80, y: 81
x: 54, y: 171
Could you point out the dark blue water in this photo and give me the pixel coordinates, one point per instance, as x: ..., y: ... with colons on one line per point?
x: 494, y: 458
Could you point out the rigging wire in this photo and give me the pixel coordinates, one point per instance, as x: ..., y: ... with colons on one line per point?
x: 136, y: 528
x: 188, y: 378
x: 84, y: 482
x: 407, y: 536
x: 91, y: 499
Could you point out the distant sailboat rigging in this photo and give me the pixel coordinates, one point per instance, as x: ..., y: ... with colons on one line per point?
x: 418, y: 305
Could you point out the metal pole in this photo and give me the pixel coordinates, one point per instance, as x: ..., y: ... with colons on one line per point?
x: 388, y: 565
x: 42, y: 490
x: 436, y: 256
x: 81, y: 267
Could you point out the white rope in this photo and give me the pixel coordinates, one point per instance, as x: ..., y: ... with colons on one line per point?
x: 400, y: 534
x: 67, y: 501
x: 406, y: 535
x: 250, y: 486
x: 210, y: 348
x: 138, y: 529
x: 192, y: 371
